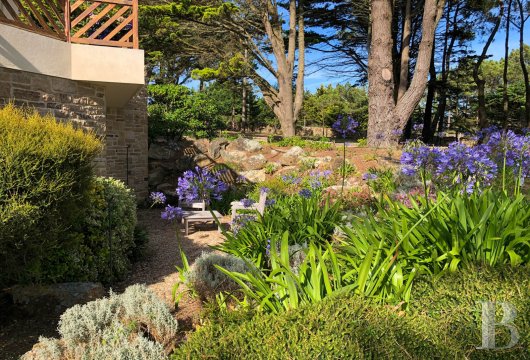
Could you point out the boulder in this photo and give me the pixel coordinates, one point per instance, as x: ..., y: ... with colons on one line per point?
x: 323, y: 162
x: 273, y: 167
x: 254, y: 176
x: 215, y: 147
x: 161, y: 152
x: 287, y: 170
x: 247, y: 145
x: 167, y: 188
x: 255, y: 162
x: 184, y: 162
x: 201, y: 160
x: 292, y: 156
x: 235, y: 156
x: 156, y: 176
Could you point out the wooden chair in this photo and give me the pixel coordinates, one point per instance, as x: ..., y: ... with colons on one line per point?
x: 259, y: 206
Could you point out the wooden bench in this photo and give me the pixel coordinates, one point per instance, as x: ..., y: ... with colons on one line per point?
x: 198, y: 216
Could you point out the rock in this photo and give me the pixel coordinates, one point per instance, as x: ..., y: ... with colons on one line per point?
x: 184, y: 162
x: 292, y: 156
x: 323, y: 162
x: 215, y: 147
x: 272, y: 167
x: 166, y: 165
x: 287, y: 170
x: 255, y: 162
x: 247, y: 145
x: 254, y: 176
x: 55, y: 298
x: 161, y: 152
x: 156, y: 176
x: 202, y: 160
x: 274, y: 152
x: 235, y: 156
x: 167, y: 188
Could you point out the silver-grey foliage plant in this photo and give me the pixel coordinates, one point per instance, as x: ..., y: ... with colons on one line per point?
x: 135, y: 325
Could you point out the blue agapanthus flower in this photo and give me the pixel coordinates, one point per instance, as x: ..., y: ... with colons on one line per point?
x: 157, y: 198
x: 305, y: 193
x: 344, y: 126
x: 240, y: 221
x: 247, y: 202
x: 200, y: 185
x: 171, y: 213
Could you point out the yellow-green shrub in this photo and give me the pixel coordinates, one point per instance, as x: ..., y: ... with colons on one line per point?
x: 45, y: 169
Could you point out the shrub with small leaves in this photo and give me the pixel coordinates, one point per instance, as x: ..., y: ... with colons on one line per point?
x: 208, y: 281
x: 135, y: 325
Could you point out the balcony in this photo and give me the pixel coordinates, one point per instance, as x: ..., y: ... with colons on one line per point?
x: 108, y: 22
x: 81, y: 40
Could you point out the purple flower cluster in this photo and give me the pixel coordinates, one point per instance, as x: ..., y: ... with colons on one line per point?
x: 291, y: 179
x: 157, y: 198
x: 418, y: 158
x: 472, y: 167
x: 305, y: 193
x: 417, y: 127
x: 344, y: 126
x: 200, y: 184
x: 270, y: 202
x: 369, y: 176
x: 171, y: 213
x: 510, y: 150
x: 317, y: 178
x: 247, y: 202
x: 240, y: 221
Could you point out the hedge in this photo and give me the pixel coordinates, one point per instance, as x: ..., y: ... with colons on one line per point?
x: 54, y: 214
x: 443, y: 322
x: 45, y: 167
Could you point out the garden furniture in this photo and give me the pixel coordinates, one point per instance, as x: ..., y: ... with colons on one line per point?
x: 199, y: 216
x: 259, y: 206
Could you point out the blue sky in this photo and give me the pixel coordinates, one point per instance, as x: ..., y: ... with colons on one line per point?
x: 314, y: 79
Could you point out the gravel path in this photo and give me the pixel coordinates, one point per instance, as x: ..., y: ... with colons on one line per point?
x: 19, y: 331
x: 157, y: 269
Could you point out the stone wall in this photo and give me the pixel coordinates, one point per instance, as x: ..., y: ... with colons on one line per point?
x: 84, y: 104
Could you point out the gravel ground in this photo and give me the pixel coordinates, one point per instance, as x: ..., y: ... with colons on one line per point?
x: 157, y: 270
x: 19, y: 331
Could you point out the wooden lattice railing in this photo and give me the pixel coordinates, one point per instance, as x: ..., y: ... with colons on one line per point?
x: 106, y: 22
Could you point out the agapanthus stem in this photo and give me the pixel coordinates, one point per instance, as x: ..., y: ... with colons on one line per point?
x: 343, y: 167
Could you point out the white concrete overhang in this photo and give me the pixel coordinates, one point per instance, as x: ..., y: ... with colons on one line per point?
x: 119, y: 70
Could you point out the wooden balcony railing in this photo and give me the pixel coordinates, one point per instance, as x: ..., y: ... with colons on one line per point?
x: 105, y: 22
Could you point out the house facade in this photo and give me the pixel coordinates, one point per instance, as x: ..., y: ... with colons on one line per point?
x: 80, y: 62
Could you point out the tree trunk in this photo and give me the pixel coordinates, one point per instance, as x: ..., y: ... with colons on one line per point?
x: 380, y: 86
x: 286, y: 101
x: 505, y: 69
x: 386, y: 121
x: 405, y: 51
x: 523, y: 64
x: 482, y: 119
x: 244, y: 115
x: 428, y: 130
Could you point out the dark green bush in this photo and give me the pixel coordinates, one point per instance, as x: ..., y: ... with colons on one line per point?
x: 442, y: 323
x: 106, y: 232
x: 45, y: 168
x: 175, y: 110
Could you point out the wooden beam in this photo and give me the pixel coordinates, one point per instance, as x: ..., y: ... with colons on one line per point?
x: 85, y: 13
x: 118, y: 28
x: 102, y: 42
x: 94, y: 20
x: 109, y: 22
x: 135, y: 24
